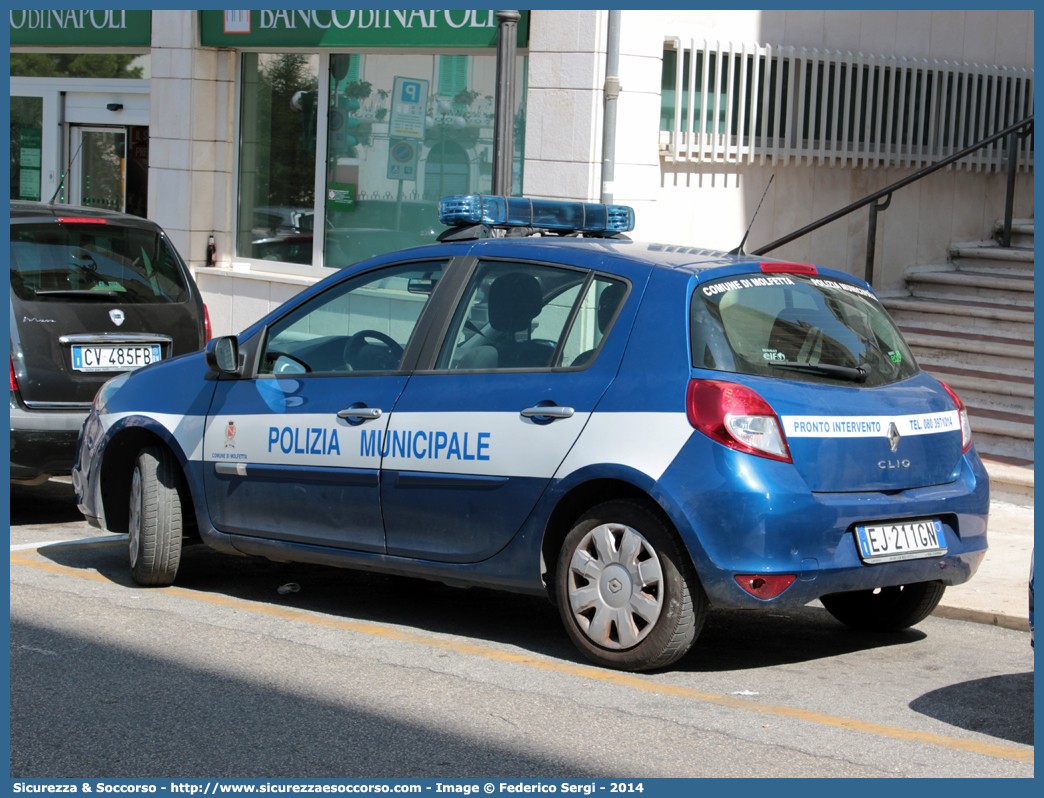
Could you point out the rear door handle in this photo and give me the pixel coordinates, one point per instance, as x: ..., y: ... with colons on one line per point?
x: 359, y: 412
x: 548, y: 412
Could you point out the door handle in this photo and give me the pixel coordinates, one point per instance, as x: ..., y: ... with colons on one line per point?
x: 548, y: 412
x: 360, y: 412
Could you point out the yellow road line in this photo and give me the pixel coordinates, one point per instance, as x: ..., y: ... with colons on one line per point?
x: 586, y: 672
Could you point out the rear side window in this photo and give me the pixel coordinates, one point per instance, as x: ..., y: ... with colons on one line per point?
x: 78, y: 262
x: 531, y: 317
x: 811, y: 329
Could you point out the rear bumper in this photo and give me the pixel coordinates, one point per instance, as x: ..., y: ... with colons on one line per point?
x: 777, y: 526
x: 43, y: 442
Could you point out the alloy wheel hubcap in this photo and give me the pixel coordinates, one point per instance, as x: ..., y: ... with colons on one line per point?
x: 615, y: 586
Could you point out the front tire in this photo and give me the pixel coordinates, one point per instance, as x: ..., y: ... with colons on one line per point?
x: 155, y: 525
x: 626, y: 588
x: 886, y: 609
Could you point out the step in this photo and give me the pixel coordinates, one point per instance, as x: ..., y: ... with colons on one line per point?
x: 1004, y: 434
x: 930, y: 356
x: 981, y: 317
x: 1009, y: 476
x: 969, y: 350
x: 989, y: 391
x: 1021, y: 232
x: 948, y: 283
x: 1002, y: 439
x: 991, y: 256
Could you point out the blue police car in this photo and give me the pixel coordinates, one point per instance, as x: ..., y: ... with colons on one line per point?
x: 539, y: 404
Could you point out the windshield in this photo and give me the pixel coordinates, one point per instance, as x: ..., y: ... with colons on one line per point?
x: 797, y: 327
x: 75, y: 262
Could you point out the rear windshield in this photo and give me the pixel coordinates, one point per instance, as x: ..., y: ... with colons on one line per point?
x: 80, y: 262
x: 797, y: 327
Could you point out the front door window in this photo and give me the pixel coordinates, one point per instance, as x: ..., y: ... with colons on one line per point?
x: 362, y: 325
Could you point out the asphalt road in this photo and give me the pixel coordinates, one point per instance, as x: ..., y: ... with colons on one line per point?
x: 358, y: 675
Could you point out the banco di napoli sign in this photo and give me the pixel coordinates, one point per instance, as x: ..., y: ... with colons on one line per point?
x: 354, y: 28
x: 83, y: 27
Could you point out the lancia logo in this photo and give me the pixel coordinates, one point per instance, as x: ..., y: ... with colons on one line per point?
x: 615, y: 585
x: 893, y: 436
x: 117, y: 317
x: 230, y: 435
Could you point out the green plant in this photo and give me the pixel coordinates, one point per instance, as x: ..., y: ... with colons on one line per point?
x: 465, y: 97
x: 358, y: 90
x: 380, y: 113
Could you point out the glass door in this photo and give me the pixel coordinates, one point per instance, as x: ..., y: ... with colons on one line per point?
x: 26, y: 147
x: 98, y: 177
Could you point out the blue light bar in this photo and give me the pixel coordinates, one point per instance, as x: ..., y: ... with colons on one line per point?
x: 584, y: 217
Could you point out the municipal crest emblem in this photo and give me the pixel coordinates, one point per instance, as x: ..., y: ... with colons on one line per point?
x: 230, y: 435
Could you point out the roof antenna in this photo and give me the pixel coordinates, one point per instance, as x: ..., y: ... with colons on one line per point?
x: 61, y: 180
x: 739, y: 250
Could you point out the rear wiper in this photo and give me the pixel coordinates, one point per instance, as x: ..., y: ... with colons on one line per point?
x: 858, y: 374
x: 79, y: 292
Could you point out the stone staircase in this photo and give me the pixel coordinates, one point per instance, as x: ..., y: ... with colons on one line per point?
x: 970, y: 324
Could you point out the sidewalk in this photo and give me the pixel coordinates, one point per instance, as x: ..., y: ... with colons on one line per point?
x: 998, y: 593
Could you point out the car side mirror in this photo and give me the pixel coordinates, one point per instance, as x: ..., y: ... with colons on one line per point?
x: 421, y: 285
x: 222, y: 355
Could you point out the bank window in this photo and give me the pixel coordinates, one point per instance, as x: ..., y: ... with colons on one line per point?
x: 380, y: 186
x: 363, y: 324
x: 277, y: 157
x: 383, y: 184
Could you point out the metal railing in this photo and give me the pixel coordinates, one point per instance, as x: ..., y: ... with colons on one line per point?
x: 1014, y: 132
x: 745, y: 103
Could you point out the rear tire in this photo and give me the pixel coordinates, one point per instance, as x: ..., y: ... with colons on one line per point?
x: 626, y: 588
x: 155, y: 525
x: 886, y: 609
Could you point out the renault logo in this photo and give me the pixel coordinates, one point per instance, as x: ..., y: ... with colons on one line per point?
x: 615, y: 585
x: 118, y: 317
x: 893, y: 436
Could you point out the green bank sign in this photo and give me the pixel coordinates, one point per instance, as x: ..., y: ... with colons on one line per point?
x: 354, y: 28
x: 95, y: 27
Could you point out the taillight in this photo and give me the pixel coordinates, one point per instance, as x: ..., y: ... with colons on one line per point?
x: 81, y: 220
x: 966, y: 434
x: 736, y: 416
x: 14, y: 382
x: 206, y: 325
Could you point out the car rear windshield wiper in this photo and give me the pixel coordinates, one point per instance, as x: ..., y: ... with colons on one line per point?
x: 79, y: 292
x: 858, y: 374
